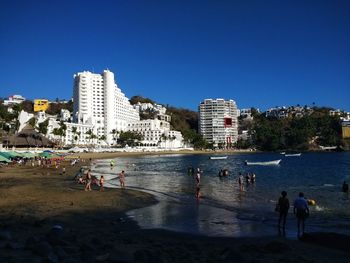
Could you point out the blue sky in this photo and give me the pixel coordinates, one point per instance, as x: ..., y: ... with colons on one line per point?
x: 259, y: 53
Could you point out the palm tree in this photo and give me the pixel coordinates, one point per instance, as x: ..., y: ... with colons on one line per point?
x: 74, y: 137
x: 102, y: 138
x: 61, y: 132
x: 43, y: 127
x: 91, y: 134
x: 115, y: 135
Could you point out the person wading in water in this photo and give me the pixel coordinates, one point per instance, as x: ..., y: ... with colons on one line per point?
x: 282, y: 207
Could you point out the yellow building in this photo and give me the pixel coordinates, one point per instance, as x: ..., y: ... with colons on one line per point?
x: 40, y: 105
x: 346, y: 129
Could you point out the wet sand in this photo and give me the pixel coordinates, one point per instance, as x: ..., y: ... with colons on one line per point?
x: 46, y: 217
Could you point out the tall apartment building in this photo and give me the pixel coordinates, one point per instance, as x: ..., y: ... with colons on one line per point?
x: 99, y: 102
x: 218, y: 121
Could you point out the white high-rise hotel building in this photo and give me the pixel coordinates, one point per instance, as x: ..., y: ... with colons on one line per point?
x: 218, y: 121
x: 99, y: 102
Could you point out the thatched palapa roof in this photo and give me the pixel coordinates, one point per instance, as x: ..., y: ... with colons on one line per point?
x: 27, y: 137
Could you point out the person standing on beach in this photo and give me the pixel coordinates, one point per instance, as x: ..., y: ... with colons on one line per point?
x: 122, y: 179
x: 102, y: 180
x: 88, y: 181
x: 301, y: 210
x: 283, y: 207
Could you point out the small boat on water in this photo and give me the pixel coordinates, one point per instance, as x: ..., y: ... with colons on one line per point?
x: 275, y: 162
x: 292, y: 154
x: 218, y: 157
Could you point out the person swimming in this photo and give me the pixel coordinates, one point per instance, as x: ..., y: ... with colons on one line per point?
x: 221, y: 173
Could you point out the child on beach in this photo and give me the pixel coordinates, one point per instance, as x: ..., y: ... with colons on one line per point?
x: 122, y: 179
x: 102, y: 180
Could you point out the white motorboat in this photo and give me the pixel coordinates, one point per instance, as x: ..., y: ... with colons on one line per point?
x: 292, y: 154
x: 275, y: 162
x: 218, y: 157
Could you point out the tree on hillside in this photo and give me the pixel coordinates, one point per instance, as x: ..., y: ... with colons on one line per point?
x: 192, y: 137
x: 147, y: 114
x: 55, y: 108
x: 138, y: 98
x: 329, y: 131
x: 183, y: 119
x: 32, y: 122
x: 28, y: 106
x: 42, y: 127
x: 268, y: 134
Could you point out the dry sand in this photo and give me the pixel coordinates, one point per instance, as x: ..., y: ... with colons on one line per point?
x: 46, y: 217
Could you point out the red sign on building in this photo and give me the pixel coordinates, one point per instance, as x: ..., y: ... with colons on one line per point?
x: 228, y: 122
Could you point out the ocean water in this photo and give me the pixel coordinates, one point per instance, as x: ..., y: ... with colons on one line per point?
x: 224, y: 210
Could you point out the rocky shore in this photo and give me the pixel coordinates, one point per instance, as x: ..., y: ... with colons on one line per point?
x: 47, y: 217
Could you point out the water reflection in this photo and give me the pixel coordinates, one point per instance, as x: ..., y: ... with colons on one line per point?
x: 223, y: 209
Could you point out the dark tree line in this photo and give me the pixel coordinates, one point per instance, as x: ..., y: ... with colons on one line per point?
x: 272, y: 134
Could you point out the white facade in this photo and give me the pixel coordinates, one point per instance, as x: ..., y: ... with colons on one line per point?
x: 245, y: 113
x: 77, y: 134
x: 23, y: 118
x: 218, y: 121
x: 158, y: 108
x: 98, y: 101
x: 64, y: 115
x: 157, y: 133
x: 14, y: 99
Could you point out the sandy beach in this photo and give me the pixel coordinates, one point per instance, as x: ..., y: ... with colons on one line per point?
x: 47, y: 217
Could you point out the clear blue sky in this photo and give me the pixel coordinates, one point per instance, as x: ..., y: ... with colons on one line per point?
x: 259, y: 53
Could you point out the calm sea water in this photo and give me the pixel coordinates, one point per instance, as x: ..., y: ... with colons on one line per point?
x: 223, y: 210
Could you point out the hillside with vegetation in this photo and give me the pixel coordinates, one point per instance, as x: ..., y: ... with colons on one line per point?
x: 296, y: 133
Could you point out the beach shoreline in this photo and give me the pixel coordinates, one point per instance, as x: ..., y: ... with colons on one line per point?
x: 46, y: 216
x: 106, y: 155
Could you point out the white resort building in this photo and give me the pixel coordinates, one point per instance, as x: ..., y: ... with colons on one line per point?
x: 218, y: 122
x: 100, y: 105
x: 14, y: 99
x: 157, y: 133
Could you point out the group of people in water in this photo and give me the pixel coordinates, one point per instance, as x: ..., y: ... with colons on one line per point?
x: 88, y: 179
x: 300, y: 209
x: 249, y: 178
